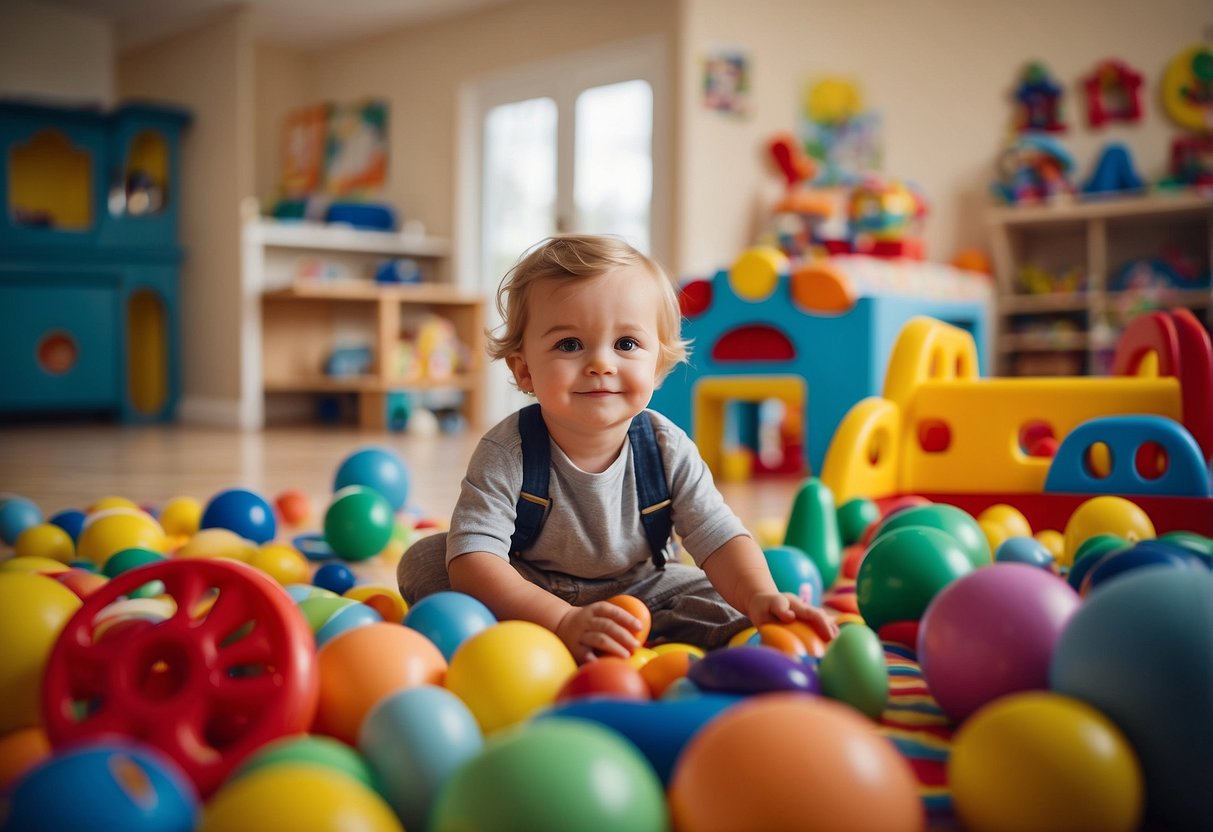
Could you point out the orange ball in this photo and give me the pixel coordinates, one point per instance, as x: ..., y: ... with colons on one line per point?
x: 365, y: 664
x: 609, y: 676
x: 665, y: 669
x: 790, y: 760
x: 20, y: 751
x: 637, y: 608
x: 294, y: 507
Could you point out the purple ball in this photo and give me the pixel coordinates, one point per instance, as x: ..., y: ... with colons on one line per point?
x: 992, y: 632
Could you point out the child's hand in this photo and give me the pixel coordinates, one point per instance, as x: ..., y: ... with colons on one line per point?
x: 600, y: 629
x: 784, y: 608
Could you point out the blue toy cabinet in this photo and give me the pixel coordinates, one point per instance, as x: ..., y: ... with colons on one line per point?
x: 90, y: 260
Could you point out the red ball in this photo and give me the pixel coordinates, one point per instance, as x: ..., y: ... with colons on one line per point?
x: 293, y: 507
x: 610, y: 676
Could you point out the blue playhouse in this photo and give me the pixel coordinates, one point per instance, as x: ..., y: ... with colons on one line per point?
x: 90, y: 260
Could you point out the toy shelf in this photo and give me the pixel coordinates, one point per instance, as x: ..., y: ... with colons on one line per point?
x: 318, y: 296
x: 1065, y: 284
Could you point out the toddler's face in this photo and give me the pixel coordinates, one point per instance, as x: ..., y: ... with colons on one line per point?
x: 591, y: 348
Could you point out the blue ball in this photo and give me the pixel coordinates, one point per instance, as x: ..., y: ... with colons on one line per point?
x: 379, y: 468
x: 111, y: 784
x: 335, y: 577
x: 1114, y: 565
x: 243, y: 512
x: 1027, y: 550
x: 347, y: 618
x: 448, y: 619
x: 16, y: 515
x: 793, y: 570
x: 1140, y: 650
x: 71, y: 520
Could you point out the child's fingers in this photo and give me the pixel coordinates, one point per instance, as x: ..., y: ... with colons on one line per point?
x: 618, y: 615
x: 603, y: 642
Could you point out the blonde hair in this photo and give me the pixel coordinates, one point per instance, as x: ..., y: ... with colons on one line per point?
x: 574, y: 257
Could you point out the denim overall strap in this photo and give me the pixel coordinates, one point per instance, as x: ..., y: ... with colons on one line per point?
x: 533, y: 502
x: 652, y: 491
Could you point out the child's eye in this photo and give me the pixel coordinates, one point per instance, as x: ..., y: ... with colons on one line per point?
x: 568, y: 345
x: 627, y: 344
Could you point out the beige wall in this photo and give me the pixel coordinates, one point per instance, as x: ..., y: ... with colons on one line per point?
x: 209, y: 71
x: 419, y: 72
x: 281, y: 85
x: 53, y: 52
x: 939, y: 71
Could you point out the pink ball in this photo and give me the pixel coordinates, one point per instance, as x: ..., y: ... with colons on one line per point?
x: 992, y: 632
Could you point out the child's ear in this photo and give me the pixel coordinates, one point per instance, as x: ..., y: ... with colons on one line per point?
x: 522, y: 372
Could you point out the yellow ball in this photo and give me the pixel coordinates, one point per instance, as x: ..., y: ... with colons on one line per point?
x: 1052, y: 540
x: 679, y: 647
x: 116, y: 529
x: 285, y: 564
x: 181, y: 516
x: 995, y: 533
x: 1009, y: 517
x: 770, y: 531
x: 382, y: 599
x: 33, y: 611
x: 743, y: 637
x: 218, y: 543
x: 45, y: 540
x: 33, y: 564
x: 755, y: 274
x: 107, y: 503
x: 641, y: 657
x: 507, y: 672
x: 1105, y: 515
x: 1044, y: 761
x: 297, y: 796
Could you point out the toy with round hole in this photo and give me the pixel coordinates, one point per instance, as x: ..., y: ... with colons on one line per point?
x: 194, y: 684
x: 1187, y: 88
x: 1153, y: 421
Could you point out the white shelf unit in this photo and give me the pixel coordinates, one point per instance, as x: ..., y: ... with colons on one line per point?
x: 1093, y: 238
x: 303, y: 320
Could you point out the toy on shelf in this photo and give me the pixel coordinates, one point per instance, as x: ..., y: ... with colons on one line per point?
x: 762, y: 330
x: 937, y: 419
x: 1037, y: 281
x: 1038, y: 100
x: 885, y: 219
x: 431, y: 351
x: 1187, y: 88
x: 1113, y: 94
x: 1114, y: 173
x: 1034, y: 167
x: 1191, y: 162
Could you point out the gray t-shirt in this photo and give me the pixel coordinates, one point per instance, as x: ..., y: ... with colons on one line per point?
x: 593, y: 527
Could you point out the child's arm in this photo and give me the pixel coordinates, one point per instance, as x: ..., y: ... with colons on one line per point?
x: 601, y: 628
x: 739, y: 572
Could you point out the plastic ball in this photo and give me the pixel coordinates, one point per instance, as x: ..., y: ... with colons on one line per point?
x: 773, y: 759
x: 80, y: 581
x: 751, y: 670
x: 794, y: 572
x: 1009, y: 518
x: 16, y: 515
x: 311, y: 750
x: 508, y: 671
x: 33, y: 565
x: 116, y: 529
x: 854, y: 517
x: 71, y: 520
x: 664, y: 669
x: 127, y: 559
x: 1140, y: 650
x: 125, y: 785
x: 949, y: 519
x: 243, y: 512
x: 991, y: 633
x: 1148, y: 553
x: 557, y: 774
x: 295, y: 796
x: 609, y: 676
x: 319, y: 608
x: 45, y: 540
x: 218, y: 543
x: 335, y: 577
x: 181, y: 516
x: 1043, y: 761
x: 294, y: 507
x: 381, y: 469
x: 282, y: 562
x: 1105, y: 515
x: 638, y: 610
x: 1027, y: 550
x: 20, y: 751
x: 995, y: 534
x: 358, y: 523
x: 345, y: 619
x: 854, y: 670
x: 449, y: 619
x: 415, y: 739
x: 33, y: 611
x: 1052, y: 540
x: 362, y: 665
x: 384, y: 600
x: 111, y: 502
x: 903, y: 570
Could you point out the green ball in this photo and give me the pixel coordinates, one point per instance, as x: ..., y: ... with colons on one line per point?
x: 358, y: 523
x: 120, y: 562
x: 1191, y: 541
x: 903, y: 570
x: 1098, y: 545
x: 552, y: 775
x: 311, y: 750
x: 318, y: 609
x: 854, y: 517
x: 956, y: 522
x: 853, y: 670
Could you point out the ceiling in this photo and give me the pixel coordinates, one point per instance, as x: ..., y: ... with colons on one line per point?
x: 303, y: 24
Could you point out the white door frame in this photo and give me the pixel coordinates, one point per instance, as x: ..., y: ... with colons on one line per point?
x: 561, y: 78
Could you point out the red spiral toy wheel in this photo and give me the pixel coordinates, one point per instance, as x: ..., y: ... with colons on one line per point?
x: 232, y: 668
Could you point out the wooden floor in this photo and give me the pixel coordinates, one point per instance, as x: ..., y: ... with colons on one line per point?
x: 72, y: 466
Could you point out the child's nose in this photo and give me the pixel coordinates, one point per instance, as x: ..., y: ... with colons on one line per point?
x: 601, y: 362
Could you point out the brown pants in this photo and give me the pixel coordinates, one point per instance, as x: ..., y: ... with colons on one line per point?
x: 686, y: 608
